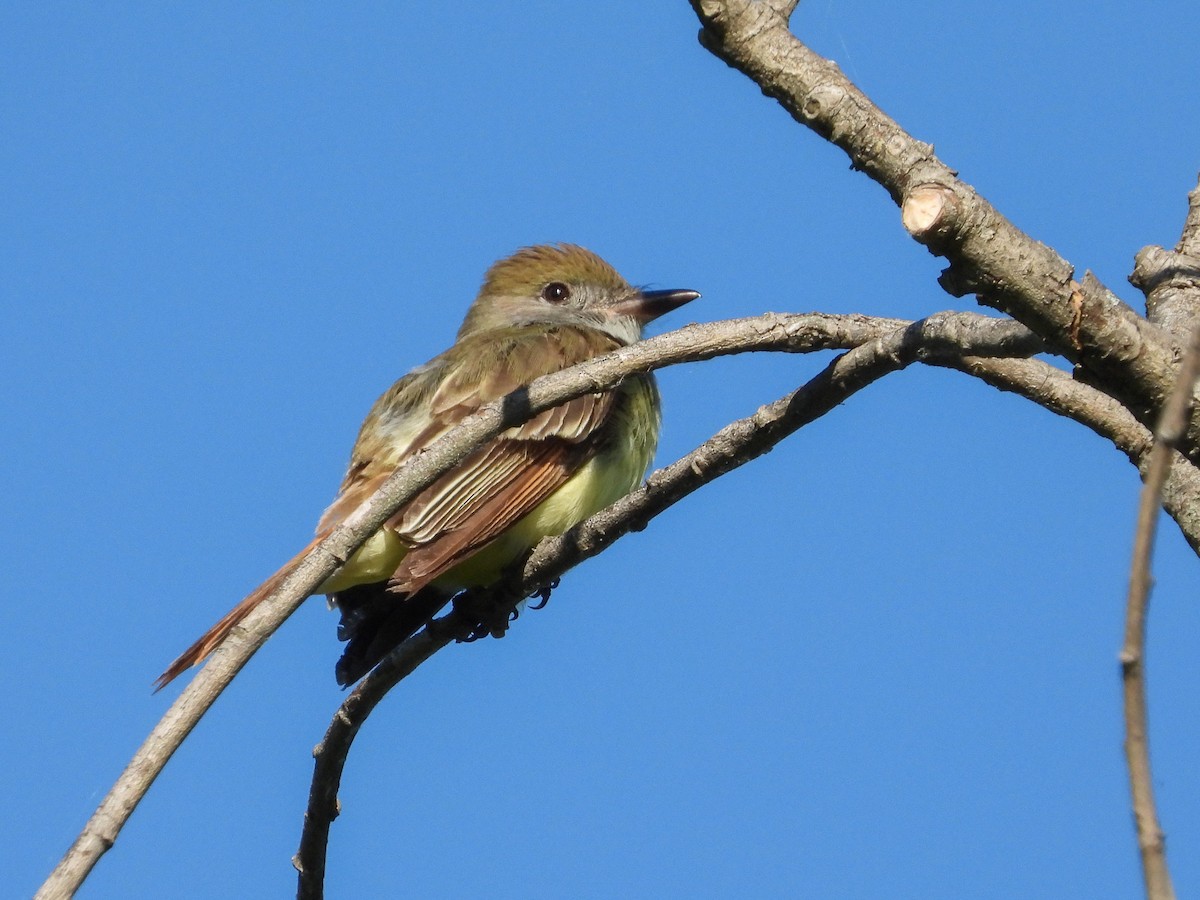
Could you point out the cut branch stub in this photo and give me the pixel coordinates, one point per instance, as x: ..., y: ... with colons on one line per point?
x: 929, y: 212
x: 1171, y: 282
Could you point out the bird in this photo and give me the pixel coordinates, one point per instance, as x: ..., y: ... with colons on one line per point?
x: 540, y: 310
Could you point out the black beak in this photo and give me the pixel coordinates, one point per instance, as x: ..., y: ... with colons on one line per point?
x: 646, y: 306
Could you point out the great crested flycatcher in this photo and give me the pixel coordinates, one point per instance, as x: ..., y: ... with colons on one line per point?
x: 541, y: 310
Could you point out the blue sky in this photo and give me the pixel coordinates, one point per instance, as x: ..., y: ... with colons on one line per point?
x: 879, y: 662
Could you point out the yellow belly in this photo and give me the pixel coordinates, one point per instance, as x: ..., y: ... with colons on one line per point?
x: 600, y: 482
x: 374, y: 561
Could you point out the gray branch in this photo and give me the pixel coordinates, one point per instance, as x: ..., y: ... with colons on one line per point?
x: 776, y: 332
x: 1120, y: 351
x: 965, y: 342
x: 892, y: 344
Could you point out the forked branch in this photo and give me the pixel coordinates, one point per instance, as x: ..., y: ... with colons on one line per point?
x: 1127, y: 356
x: 947, y: 339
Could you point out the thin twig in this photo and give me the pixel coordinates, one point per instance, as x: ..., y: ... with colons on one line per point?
x: 1171, y: 428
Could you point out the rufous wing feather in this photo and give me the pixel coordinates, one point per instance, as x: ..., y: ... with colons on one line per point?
x: 544, y: 467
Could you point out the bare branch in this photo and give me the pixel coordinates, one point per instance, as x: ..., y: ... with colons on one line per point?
x: 779, y: 332
x: 943, y: 340
x: 330, y: 754
x: 961, y: 336
x: 1125, y: 354
x: 1150, y: 839
x: 1056, y: 391
x: 733, y: 446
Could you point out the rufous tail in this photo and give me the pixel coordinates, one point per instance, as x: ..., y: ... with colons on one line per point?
x: 215, y: 635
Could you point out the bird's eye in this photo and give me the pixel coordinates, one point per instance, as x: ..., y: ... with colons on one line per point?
x: 556, y: 292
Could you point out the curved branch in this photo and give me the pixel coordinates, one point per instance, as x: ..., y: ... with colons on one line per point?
x: 943, y: 334
x: 777, y: 332
x: 1122, y: 352
x: 941, y: 337
x: 946, y: 340
x: 1056, y: 391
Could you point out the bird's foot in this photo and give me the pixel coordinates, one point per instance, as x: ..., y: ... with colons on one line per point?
x: 493, y: 610
x: 491, y: 614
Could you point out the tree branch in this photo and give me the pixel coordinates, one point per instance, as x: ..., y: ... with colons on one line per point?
x: 1056, y: 391
x: 944, y: 340
x: 945, y: 334
x: 1122, y: 352
x: 778, y: 332
x: 1150, y: 839
x: 967, y: 337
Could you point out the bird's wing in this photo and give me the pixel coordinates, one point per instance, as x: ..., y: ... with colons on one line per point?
x: 491, y: 489
x: 386, y: 439
x: 503, y: 480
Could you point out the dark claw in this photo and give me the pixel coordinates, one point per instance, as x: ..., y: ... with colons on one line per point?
x: 543, y: 593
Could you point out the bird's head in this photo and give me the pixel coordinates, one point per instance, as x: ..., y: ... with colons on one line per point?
x: 568, y: 285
